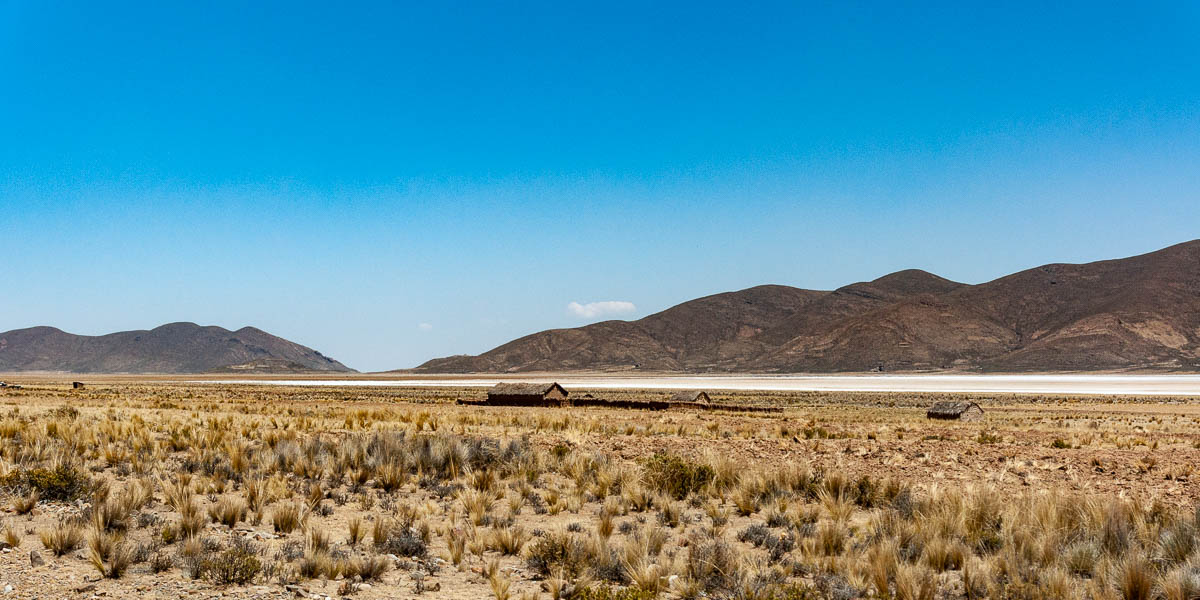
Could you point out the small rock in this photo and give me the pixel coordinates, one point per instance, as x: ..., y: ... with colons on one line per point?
x: 35, y: 559
x: 8, y: 588
x: 5, y: 545
x: 85, y: 588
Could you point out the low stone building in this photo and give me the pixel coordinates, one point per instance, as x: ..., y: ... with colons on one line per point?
x: 688, y: 398
x: 960, y: 411
x: 528, y: 394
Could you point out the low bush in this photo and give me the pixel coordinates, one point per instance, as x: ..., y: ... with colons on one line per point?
x: 676, y: 476
x: 557, y: 552
x: 236, y: 565
x: 63, y: 483
x: 713, y: 563
x: 606, y: 592
x: 403, y: 541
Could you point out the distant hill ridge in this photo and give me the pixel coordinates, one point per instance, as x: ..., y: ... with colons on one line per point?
x: 1141, y: 312
x: 171, y: 348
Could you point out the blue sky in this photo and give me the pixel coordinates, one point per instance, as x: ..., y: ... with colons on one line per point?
x: 397, y: 181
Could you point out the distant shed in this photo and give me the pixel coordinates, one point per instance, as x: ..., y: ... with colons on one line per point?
x: 691, y: 397
x: 77, y: 385
x: 960, y: 411
x: 528, y: 394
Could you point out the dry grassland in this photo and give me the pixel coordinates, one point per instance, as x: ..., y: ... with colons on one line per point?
x: 164, y: 490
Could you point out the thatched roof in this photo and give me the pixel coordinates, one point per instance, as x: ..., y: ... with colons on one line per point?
x: 950, y: 410
x: 524, y: 389
x: 690, y: 396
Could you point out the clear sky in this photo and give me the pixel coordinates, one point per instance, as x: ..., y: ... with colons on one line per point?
x: 392, y: 182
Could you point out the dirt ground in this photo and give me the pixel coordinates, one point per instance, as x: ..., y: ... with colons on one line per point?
x: 1142, y: 448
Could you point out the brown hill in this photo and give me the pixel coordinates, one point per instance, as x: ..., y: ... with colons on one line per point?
x: 172, y: 348
x: 1135, y: 313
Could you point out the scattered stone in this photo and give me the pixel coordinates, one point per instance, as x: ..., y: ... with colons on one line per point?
x: 35, y: 559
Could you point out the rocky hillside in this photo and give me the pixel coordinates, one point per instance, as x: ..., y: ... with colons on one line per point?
x: 1134, y: 313
x: 172, y: 348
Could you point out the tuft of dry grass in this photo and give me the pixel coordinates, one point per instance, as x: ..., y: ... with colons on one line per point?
x: 61, y: 538
x: 109, y: 554
x: 23, y: 505
x: 508, y: 541
x: 228, y: 511
x: 286, y: 518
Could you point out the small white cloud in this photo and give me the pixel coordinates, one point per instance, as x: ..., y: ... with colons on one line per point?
x: 593, y: 310
x: 425, y: 327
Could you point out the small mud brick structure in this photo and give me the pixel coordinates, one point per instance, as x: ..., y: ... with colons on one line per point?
x: 960, y: 411
x: 528, y: 394
x: 77, y: 385
x: 690, y: 399
x: 553, y: 395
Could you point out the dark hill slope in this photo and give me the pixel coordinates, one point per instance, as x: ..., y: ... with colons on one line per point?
x: 172, y: 348
x: 1135, y: 313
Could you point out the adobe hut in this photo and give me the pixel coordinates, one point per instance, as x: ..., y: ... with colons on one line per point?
x: 528, y: 394
x: 77, y: 385
x: 688, y: 398
x: 960, y: 411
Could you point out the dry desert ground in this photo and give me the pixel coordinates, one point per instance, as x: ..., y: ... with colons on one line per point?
x: 154, y: 489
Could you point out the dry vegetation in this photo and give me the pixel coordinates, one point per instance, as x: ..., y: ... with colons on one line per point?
x: 167, y: 490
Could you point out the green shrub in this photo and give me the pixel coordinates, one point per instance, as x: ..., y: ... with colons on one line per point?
x: 677, y: 476
x: 604, y: 592
x: 236, y: 565
x: 986, y: 437
x: 63, y: 483
x: 557, y: 552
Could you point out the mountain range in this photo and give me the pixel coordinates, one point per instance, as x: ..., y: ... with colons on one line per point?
x: 1138, y: 313
x: 171, y: 348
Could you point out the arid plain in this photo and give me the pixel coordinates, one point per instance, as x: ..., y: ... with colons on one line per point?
x: 135, y: 487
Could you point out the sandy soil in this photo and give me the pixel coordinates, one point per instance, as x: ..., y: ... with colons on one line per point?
x: 1106, y: 445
